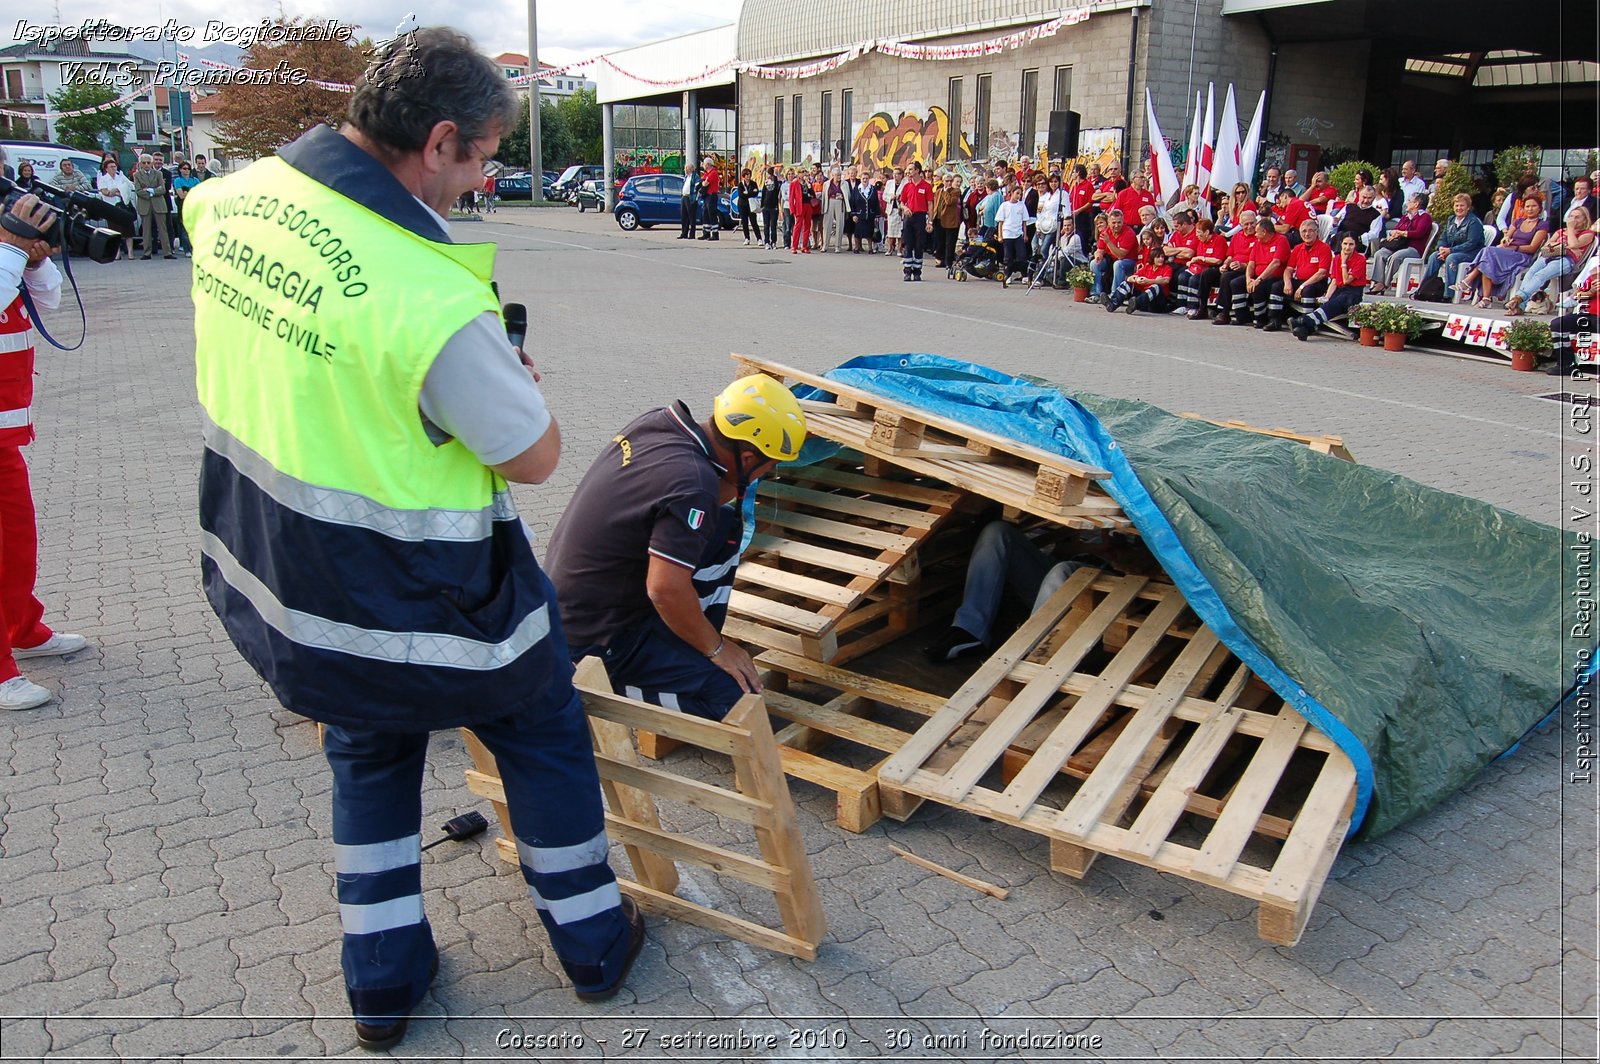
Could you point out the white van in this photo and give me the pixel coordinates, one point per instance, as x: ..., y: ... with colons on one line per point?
x: 46, y: 159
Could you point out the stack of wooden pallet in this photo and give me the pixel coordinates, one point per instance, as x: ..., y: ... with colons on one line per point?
x: 1112, y: 722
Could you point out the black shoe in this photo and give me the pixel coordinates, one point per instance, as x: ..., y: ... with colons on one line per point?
x: 380, y: 1036
x: 144, y: 256
x: 1302, y: 332
x: 956, y: 642
x: 630, y: 912
x: 1221, y: 319
x: 1558, y: 370
x: 1258, y: 323
x: 169, y: 256
x: 1111, y: 307
x: 1242, y: 321
x: 1272, y: 326
x: 716, y: 236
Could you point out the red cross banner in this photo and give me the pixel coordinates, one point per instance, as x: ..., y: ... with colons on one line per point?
x: 1497, y: 336
x: 1478, y: 331
x: 1455, y: 327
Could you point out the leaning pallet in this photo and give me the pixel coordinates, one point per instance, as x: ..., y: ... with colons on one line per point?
x: 1015, y: 474
x: 759, y: 797
x: 833, y: 570
x: 1199, y: 763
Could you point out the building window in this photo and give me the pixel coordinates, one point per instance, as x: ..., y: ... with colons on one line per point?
x: 1027, y: 122
x: 980, y: 124
x: 955, y: 115
x: 14, y: 84
x: 847, y: 129
x: 777, y: 128
x: 1062, y: 99
x: 644, y: 135
x: 794, y: 125
x: 144, y: 125
x: 717, y: 131
x: 827, y: 127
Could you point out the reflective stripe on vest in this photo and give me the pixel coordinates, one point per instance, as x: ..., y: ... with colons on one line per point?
x: 349, y: 508
x: 17, y: 341
x: 16, y: 419
x: 399, y: 648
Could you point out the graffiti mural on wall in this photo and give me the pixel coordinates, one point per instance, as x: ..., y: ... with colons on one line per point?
x: 636, y: 161
x: 887, y: 141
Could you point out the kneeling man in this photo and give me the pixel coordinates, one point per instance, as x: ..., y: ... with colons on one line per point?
x: 643, y: 559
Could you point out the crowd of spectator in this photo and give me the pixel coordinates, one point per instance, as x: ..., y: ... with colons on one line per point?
x: 153, y: 195
x: 1285, y: 254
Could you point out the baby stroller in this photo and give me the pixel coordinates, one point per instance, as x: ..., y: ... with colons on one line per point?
x: 982, y: 258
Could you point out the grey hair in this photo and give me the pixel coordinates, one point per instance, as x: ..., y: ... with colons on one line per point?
x: 426, y: 77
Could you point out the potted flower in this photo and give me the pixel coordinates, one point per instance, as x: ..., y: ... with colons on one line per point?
x: 1527, y: 338
x: 1398, y: 323
x: 1079, y: 278
x: 1364, y: 316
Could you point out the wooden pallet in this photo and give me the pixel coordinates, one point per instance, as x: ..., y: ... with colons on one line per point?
x: 1323, y: 444
x: 1015, y: 474
x: 1163, y: 721
x: 759, y: 797
x: 833, y: 569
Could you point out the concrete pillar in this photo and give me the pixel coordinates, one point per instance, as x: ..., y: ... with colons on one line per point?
x: 608, y: 150
x: 691, y: 131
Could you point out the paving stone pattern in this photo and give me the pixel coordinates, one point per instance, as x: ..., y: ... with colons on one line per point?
x: 166, y: 887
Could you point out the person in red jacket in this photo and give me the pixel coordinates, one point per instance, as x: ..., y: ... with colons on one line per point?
x: 916, y: 197
x: 801, y: 201
x: 1232, y: 295
x: 1348, y: 276
x: 24, y: 264
x: 1287, y: 214
x: 1264, y: 277
x: 1133, y: 198
x: 710, y: 189
x: 1310, y: 265
x: 1203, y: 270
x: 1149, y: 289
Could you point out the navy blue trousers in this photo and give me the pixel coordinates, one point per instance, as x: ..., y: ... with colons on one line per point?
x: 649, y: 663
x: 553, y: 793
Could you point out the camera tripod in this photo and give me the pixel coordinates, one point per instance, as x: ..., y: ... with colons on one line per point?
x: 1056, y: 260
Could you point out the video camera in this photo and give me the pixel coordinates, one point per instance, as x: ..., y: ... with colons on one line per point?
x: 70, y: 226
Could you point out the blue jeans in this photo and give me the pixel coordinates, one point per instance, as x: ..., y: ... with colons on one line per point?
x: 1119, y: 269
x: 1543, y: 272
x: 1451, y: 266
x: 1003, y: 560
x: 553, y: 793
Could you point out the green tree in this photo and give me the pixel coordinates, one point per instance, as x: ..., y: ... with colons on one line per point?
x: 580, y: 119
x: 83, y: 131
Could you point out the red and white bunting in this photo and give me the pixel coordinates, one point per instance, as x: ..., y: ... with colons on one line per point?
x: 805, y: 70
x: 129, y: 97
x: 992, y: 46
x: 710, y: 71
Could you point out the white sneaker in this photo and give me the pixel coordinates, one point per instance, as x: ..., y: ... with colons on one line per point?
x: 58, y: 644
x: 21, y: 693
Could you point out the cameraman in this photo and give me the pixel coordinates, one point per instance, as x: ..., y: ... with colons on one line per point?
x: 23, y: 261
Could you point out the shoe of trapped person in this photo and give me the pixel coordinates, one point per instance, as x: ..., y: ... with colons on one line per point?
x: 956, y: 642
x: 19, y: 692
x: 60, y: 643
x: 380, y: 1036
x: 631, y: 913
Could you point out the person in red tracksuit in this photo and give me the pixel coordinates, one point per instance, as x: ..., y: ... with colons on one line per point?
x: 23, y: 262
x: 916, y: 235
x: 801, y: 201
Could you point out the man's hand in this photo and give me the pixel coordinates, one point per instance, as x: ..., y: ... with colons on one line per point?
x: 734, y: 660
x: 31, y: 210
x: 527, y: 360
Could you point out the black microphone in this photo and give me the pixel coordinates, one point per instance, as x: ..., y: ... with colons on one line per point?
x: 516, y: 316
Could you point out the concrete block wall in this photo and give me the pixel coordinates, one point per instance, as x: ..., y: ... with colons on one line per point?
x: 1097, y: 50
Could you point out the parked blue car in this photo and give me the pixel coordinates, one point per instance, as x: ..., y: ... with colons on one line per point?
x: 657, y: 199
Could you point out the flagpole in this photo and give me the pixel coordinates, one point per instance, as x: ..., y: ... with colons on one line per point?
x: 535, y: 140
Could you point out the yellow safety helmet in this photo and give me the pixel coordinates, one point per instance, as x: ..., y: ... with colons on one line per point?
x: 763, y: 413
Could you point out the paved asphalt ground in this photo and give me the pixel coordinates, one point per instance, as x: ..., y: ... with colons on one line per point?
x: 166, y: 887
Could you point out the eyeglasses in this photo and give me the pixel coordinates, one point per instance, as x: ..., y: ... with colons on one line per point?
x: 472, y: 148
